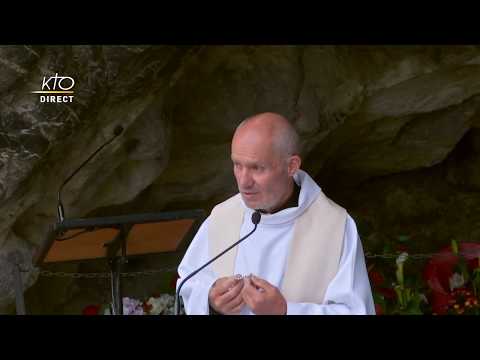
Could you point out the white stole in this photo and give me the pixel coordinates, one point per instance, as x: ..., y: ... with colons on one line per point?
x: 315, y: 249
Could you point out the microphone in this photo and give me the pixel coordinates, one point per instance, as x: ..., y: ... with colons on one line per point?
x: 255, y: 220
x: 60, y: 210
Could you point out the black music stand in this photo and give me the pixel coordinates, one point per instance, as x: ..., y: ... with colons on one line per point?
x: 116, y: 238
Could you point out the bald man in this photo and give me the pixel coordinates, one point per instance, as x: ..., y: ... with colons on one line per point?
x: 305, y: 256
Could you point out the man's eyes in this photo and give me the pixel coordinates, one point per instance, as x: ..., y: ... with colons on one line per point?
x: 253, y: 167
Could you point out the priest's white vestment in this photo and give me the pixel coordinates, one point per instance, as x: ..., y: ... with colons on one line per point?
x: 311, y: 252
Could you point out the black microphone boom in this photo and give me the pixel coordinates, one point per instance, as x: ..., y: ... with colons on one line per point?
x: 60, y: 211
x: 256, y: 216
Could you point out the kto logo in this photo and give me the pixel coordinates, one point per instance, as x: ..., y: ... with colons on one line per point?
x: 56, y: 85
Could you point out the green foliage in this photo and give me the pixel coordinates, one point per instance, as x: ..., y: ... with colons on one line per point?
x: 399, y: 287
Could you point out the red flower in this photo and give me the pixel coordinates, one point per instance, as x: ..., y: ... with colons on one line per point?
x: 147, y: 307
x: 378, y: 309
x: 91, y: 310
x: 440, y: 268
x: 376, y: 278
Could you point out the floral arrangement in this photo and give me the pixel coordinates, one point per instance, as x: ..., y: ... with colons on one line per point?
x: 453, y: 276
x: 402, y: 296
x: 158, y: 304
x: 155, y: 305
x: 409, y: 297
x: 448, y: 284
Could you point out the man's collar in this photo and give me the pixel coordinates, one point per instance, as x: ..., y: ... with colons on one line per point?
x: 291, y: 202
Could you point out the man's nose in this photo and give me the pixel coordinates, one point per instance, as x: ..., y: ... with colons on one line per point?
x: 245, y: 179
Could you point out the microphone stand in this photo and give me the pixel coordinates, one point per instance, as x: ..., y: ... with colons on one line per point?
x: 114, y: 261
x: 60, y: 210
x: 255, y: 219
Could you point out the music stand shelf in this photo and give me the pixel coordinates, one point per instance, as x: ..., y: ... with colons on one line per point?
x: 116, y: 238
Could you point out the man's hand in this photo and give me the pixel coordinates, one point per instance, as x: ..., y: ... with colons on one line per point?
x: 225, y: 295
x: 262, y: 297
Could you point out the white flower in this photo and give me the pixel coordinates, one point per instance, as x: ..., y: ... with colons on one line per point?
x: 402, y: 258
x: 161, y: 305
x: 456, y: 281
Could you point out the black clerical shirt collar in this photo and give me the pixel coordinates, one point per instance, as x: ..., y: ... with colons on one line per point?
x: 291, y: 202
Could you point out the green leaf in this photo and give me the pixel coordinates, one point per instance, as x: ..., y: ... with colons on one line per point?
x: 454, y: 246
x: 403, y: 238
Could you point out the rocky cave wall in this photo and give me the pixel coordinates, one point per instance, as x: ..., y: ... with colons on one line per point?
x: 392, y: 133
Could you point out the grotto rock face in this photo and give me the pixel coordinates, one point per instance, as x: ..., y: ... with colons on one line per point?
x: 403, y: 119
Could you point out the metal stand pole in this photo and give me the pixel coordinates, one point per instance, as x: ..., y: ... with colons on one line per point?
x: 115, y: 262
x: 116, y: 285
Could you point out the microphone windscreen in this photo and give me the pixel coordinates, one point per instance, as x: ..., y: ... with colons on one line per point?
x: 256, y: 217
x: 118, y: 130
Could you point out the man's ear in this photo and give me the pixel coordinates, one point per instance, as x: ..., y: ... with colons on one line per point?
x: 294, y: 164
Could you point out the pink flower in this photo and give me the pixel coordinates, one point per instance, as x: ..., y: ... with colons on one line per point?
x: 132, y: 306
